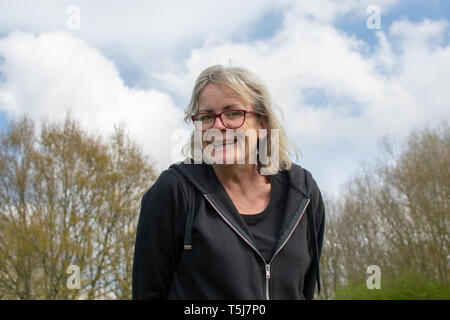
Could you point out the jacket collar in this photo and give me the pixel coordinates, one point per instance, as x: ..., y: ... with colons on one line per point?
x: 203, y: 177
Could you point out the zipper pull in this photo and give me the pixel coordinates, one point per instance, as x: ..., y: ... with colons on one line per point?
x: 267, y: 271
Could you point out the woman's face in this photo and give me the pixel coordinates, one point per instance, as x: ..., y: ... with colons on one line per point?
x: 216, y: 98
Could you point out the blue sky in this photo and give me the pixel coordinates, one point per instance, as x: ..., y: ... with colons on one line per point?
x: 340, y: 85
x: 414, y: 11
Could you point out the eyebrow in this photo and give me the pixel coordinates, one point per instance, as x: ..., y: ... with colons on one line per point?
x: 223, y: 108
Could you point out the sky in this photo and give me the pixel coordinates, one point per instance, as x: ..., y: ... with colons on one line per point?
x: 343, y: 73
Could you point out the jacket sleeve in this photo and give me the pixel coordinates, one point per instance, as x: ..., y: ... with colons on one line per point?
x: 318, y: 208
x: 158, y: 238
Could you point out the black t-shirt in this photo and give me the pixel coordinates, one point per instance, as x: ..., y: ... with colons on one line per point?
x: 265, y: 226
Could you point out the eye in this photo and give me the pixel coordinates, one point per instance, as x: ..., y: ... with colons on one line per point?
x: 203, y: 117
x: 234, y: 114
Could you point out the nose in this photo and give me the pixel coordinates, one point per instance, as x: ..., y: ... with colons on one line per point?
x: 218, y: 124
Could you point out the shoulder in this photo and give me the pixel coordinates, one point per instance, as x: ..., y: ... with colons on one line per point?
x: 167, y: 187
x: 302, y: 180
x: 167, y: 180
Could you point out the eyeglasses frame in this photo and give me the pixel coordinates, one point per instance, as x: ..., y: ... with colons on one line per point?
x: 219, y: 115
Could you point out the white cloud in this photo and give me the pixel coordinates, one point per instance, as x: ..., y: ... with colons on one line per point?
x: 424, y: 65
x: 337, y: 98
x: 49, y: 74
x: 368, y: 95
x: 328, y: 11
x: 140, y: 33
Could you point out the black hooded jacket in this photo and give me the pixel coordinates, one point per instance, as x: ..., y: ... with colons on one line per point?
x: 191, y: 243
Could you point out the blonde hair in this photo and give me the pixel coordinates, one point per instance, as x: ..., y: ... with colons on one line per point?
x: 245, y: 84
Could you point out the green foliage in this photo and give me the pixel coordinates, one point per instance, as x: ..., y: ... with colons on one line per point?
x: 407, y: 286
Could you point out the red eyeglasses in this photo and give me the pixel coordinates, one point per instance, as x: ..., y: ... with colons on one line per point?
x: 231, y: 119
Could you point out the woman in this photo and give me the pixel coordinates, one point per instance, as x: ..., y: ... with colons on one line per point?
x: 223, y: 228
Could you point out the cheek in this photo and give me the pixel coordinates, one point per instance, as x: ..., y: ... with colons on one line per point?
x: 253, y: 123
x: 250, y: 144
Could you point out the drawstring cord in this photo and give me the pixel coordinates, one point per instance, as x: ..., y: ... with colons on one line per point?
x: 189, y: 218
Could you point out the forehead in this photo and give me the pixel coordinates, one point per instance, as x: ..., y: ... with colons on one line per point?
x: 217, y: 97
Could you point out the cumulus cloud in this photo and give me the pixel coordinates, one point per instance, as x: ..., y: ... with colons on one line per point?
x: 50, y: 74
x: 328, y: 11
x: 337, y: 96
x: 424, y: 65
x: 332, y: 92
x: 139, y: 34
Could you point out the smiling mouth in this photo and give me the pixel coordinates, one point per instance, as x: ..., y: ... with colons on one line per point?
x: 225, y: 143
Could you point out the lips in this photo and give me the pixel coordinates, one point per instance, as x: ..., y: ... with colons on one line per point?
x: 224, y: 142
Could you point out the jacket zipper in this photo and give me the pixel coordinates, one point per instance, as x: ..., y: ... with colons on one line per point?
x: 267, y: 265
x: 267, y: 280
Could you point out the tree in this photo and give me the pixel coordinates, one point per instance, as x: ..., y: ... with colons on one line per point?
x: 68, y: 197
x: 394, y: 214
